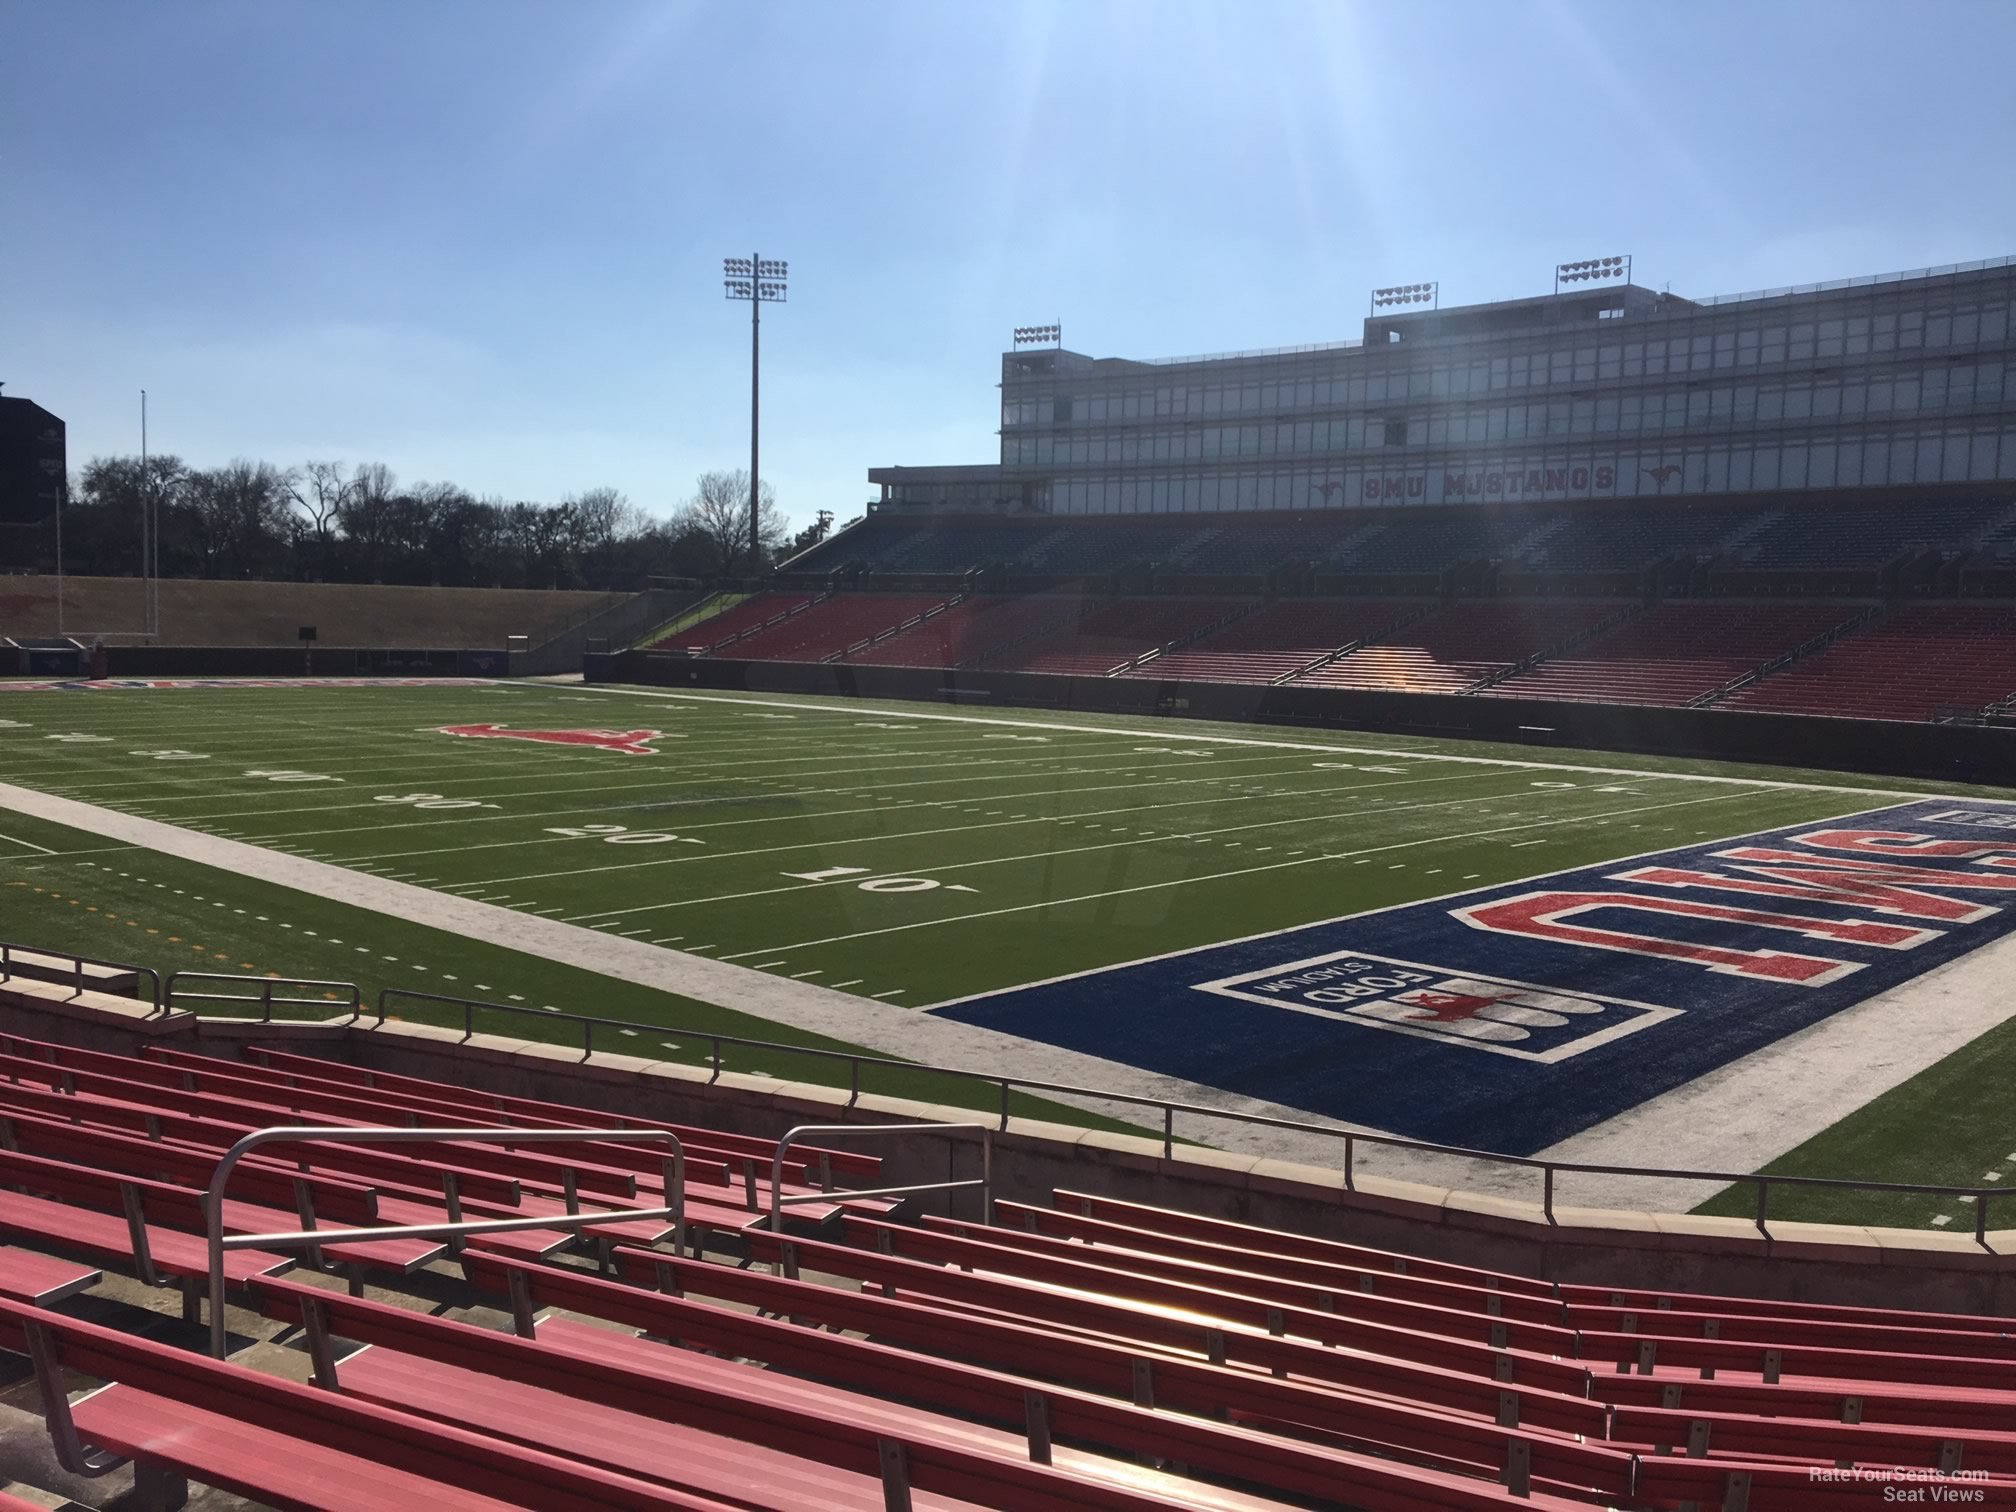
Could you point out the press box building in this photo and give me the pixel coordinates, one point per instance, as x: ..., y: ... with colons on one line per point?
x: 1903, y: 382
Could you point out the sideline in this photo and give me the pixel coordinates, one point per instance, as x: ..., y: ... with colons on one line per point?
x: 888, y: 1030
x: 1387, y: 752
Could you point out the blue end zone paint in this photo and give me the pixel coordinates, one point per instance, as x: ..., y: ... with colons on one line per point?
x: 1426, y: 1022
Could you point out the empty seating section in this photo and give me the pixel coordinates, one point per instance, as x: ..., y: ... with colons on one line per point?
x: 969, y: 630
x: 1080, y: 1352
x: 1423, y: 542
x: 1094, y: 546
x: 1909, y: 665
x: 1624, y: 540
x: 1674, y: 653
x: 1602, y: 537
x: 1460, y: 645
x: 831, y: 625
x: 1108, y: 635
x: 1278, y: 639
x: 964, y: 548
x: 1864, y: 535
x: 1261, y: 548
x: 736, y: 619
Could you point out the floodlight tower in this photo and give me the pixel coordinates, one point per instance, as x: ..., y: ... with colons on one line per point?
x: 1408, y: 294
x: 759, y: 281
x: 1593, y: 268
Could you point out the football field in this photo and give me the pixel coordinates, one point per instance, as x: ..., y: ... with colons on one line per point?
x: 899, y: 855
x: 1238, y: 905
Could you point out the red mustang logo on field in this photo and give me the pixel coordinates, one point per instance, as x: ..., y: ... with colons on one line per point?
x: 629, y: 742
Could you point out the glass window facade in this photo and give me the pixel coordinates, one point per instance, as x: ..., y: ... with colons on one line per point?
x: 1904, y: 381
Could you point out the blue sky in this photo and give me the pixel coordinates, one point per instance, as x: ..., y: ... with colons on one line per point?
x: 480, y: 240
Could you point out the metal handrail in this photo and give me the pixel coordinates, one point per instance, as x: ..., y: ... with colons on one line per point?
x: 1008, y: 1085
x: 353, y: 995
x: 77, y: 965
x: 674, y: 1177
x: 780, y: 1199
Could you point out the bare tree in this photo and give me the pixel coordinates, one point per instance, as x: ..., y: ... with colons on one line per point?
x: 366, y: 515
x: 242, y: 516
x: 605, y: 516
x: 320, y: 490
x: 719, y: 510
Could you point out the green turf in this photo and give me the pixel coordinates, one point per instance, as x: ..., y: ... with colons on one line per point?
x: 64, y: 890
x: 1947, y: 1126
x: 867, y: 847
x: 901, y: 859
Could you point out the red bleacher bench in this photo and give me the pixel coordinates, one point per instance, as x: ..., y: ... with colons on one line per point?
x: 41, y: 1281
x: 295, y: 1446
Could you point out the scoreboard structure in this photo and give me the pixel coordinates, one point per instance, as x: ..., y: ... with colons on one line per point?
x: 33, y: 463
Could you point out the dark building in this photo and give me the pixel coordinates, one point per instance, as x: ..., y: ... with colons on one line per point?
x: 32, y: 462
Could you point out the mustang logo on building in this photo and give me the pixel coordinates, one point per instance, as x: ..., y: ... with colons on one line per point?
x: 629, y: 742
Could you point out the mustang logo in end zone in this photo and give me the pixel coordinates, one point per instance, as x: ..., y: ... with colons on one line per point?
x: 1503, y: 1017
x: 1689, y: 959
x: 629, y: 742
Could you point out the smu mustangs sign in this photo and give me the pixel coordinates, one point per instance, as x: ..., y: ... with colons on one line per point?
x: 1519, y: 1014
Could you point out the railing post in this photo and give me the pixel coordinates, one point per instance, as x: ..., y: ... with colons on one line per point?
x: 716, y: 1075
x: 1547, y: 1194
x: 853, y: 1080
x: 588, y: 1037
x: 1763, y: 1202
x: 1981, y: 1219
x: 1168, y: 1130
x: 266, y: 1001
x: 1350, y: 1156
x: 1004, y: 1105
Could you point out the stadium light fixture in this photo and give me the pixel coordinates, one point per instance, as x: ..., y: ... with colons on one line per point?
x: 758, y: 280
x: 1592, y: 269
x: 1040, y: 335
x: 1407, y: 294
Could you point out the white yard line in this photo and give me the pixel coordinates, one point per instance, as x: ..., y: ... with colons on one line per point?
x: 1043, y: 855
x: 882, y: 1027
x: 1245, y: 871
x: 1363, y: 913
x: 1201, y: 837
x: 1384, y: 752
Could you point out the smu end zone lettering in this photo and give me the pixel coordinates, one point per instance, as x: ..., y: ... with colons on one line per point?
x: 1911, y: 889
x: 1689, y: 960
x: 627, y: 742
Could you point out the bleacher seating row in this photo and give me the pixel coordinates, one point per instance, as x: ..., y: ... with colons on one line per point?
x: 1087, y: 1352
x: 1623, y: 537
x: 1909, y: 663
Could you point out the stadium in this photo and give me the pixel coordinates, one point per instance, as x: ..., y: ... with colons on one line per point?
x: 1408, y: 923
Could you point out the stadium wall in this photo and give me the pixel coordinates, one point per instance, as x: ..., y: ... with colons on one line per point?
x: 1944, y: 752
x: 1843, y: 1264
x: 262, y: 661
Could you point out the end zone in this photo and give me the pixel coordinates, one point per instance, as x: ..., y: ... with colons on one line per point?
x: 1515, y: 1016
